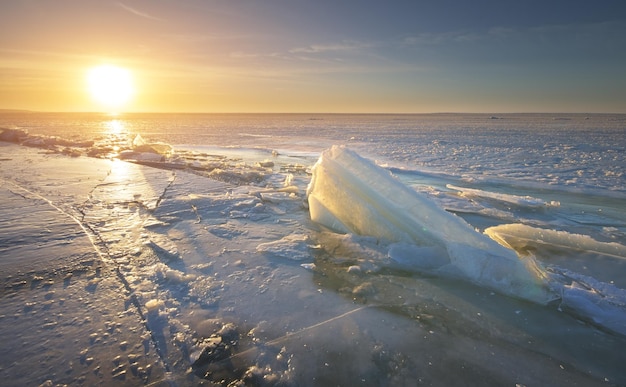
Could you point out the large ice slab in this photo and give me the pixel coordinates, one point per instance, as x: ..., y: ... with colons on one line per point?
x: 351, y: 194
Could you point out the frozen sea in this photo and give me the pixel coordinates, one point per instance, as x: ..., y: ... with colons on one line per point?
x: 194, y: 249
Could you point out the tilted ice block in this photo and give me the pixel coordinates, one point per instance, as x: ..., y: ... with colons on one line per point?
x: 351, y: 194
x: 515, y: 235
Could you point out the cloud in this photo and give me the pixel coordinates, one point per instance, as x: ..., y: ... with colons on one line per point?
x: 436, y: 39
x: 137, y: 12
x: 345, y: 46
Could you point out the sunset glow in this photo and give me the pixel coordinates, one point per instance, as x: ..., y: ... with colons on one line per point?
x: 340, y: 57
x: 110, y: 86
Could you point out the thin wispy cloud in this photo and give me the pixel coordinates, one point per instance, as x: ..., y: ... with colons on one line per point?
x: 336, y: 47
x: 137, y: 12
x: 435, y: 39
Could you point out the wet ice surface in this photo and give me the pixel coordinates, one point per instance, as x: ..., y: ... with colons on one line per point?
x: 214, y: 272
x: 64, y: 310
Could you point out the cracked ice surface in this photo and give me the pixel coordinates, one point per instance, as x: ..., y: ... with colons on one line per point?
x: 64, y: 310
x: 129, y: 274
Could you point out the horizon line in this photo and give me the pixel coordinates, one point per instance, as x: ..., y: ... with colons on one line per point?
x: 279, y: 112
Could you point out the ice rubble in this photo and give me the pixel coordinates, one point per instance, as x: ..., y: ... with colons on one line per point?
x: 144, y: 151
x: 351, y: 194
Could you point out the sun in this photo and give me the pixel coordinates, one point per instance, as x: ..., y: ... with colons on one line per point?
x: 110, y: 85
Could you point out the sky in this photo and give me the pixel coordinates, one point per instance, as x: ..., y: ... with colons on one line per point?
x: 353, y: 56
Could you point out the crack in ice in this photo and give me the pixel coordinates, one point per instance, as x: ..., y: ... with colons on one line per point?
x: 98, y: 245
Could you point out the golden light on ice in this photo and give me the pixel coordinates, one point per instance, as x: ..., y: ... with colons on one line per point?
x: 110, y: 86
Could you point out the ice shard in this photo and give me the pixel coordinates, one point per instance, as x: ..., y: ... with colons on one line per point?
x: 351, y: 194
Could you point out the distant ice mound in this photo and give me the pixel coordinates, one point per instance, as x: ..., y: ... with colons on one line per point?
x: 351, y: 194
x: 147, y: 152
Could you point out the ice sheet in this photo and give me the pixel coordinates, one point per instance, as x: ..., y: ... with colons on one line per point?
x: 201, y: 276
x: 65, y: 313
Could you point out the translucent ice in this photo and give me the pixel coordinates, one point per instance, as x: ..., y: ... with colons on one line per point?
x: 351, y: 194
x: 296, y: 247
x: 511, y: 235
x: 519, y: 201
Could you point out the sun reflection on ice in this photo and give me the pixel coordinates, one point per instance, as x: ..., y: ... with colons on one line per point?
x: 120, y: 170
x: 115, y: 126
x: 121, y: 177
x: 131, y: 184
x: 117, y: 134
